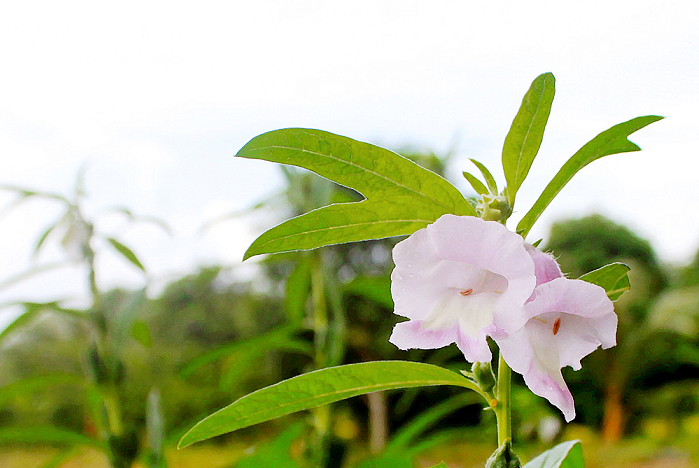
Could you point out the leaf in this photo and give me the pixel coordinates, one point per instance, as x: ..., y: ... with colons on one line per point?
x: 424, y: 420
x: 318, y: 388
x: 275, y: 453
x: 275, y: 339
x: 401, y: 197
x: 489, y: 179
x: 565, y: 455
x: 475, y: 183
x: 46, y: 435
x: 141, y: 333
x: 611, y: 141
x: 298, y: 286
x: 31, y: 385
x: 441, y: 465
x: 126, y: 252
x: 614, y: 278
x: 374, y: 288
x: 524, y: 138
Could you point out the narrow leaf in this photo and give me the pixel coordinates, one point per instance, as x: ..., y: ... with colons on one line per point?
x: 489, y: 179
x: 477, y: 185
x: 126, y: 252
x: 614, y: 278
x: 45, y: 435
x: 279, y: 338
x: 401, y: 196
x: 524, y: 138
x: 611, y: 141
x: 319, y: 388
x: 298, y: 286
x: 565, y: 455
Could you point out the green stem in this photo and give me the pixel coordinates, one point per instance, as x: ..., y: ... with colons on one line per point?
x: 503, y: 409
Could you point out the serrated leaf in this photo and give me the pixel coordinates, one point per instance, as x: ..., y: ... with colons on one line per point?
x: 401, y: 197
x: 524, y: 138
x: 319, y: 388
x: 477, y: 185
x: 611, y: 141
x: 614, y: 278
x: 126, y: 252
x: 565, y: 455
x: 489, y: 179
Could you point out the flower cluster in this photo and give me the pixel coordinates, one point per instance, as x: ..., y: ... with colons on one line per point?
x: 463, y: 279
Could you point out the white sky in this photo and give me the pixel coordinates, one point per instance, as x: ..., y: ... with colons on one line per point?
x: 157, y: 97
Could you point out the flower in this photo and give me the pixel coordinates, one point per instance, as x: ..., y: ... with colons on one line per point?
x: 459, y: 280
x: 565, y: 320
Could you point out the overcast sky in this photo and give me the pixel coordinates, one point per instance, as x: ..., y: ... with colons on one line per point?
x: 155, y: 98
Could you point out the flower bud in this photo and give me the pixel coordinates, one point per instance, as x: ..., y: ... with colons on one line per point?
x: 483, y: 372
x: 504, y: 457
x: 494, y: 208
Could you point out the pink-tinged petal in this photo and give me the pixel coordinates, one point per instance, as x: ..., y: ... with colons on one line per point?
x: 535, y: 355
x: 463, y: 278
x: 566, y: 321
x: 545, y: 266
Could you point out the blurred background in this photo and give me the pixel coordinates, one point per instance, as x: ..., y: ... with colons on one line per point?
x: 127, y: 315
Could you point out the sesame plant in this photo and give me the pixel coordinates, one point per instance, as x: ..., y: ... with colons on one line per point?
x: 462, y: 276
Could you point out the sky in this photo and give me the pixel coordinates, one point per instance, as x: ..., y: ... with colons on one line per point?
x: 154, y: 99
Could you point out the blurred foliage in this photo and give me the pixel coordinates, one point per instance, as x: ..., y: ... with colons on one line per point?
x: 210, y: 338
x: 658, y: 323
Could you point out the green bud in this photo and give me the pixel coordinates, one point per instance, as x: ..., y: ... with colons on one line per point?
x: 504, y: 457
x: 494, y: 207
x: 483, y: 372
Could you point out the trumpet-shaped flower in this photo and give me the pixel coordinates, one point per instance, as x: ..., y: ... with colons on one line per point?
x: 565, y: 320
x: 459, y: 280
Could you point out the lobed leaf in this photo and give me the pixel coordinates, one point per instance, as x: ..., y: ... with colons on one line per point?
x: 614, y: 278
x: 524, y: 138
x: 611, y: 141
x: 401, y: 196
x: 564, y: 455
x: 319, y: 388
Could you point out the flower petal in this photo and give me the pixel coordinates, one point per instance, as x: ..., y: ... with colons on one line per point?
x: 566, y: 321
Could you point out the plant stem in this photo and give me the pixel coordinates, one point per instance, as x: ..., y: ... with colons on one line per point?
x: 503, y: 410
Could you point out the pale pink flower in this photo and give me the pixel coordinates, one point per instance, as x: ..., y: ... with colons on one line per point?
x: 459, y: 280
x: 565, y: 320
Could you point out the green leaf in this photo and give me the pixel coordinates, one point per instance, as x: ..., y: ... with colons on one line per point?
x: 126, y: 252
x: 319, y: 388
x: 423, y: 421
x: 401, y: 197
x: 279, y: 338
x: 565, y: 455
x: 489, y: 179
x: 46, y: 435
x: 477, y: 185
x: 524, y: 138
x: 298, y: 287
x: 441, y: 465
x: 611, y: 141
x: 275, y: 453
x: 141, y: 333
x: 614, y: 278
x: 374, y: 288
